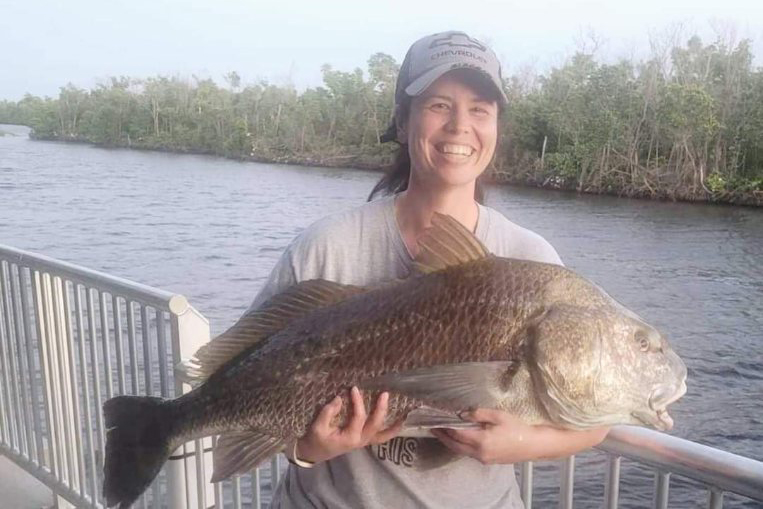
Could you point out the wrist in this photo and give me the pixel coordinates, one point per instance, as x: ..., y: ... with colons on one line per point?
x: 295, y: 459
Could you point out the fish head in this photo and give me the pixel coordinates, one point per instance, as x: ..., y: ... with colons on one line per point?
x: 603, y: 365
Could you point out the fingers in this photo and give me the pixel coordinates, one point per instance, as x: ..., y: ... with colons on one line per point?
x: 388, y: 434
x: 326, y: 415
x: 469, y: 437
x: 325, y: 440
x: 379, y: 413
x: 454, y: 445
x: 358, y: 420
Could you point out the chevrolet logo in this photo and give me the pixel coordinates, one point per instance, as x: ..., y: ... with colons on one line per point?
x: 459, y: 40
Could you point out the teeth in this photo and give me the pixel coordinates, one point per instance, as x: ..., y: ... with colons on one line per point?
x: 463, y: 150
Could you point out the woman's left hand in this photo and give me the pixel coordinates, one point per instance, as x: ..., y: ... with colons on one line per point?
x: 504, y: 438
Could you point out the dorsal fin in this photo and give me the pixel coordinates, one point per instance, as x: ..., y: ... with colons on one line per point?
x: 258, y: 324
x: 447, y: 243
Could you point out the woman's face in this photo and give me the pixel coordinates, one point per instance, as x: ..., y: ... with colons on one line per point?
x: 451, y: 131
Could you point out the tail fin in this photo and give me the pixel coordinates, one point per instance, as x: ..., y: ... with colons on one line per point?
x: 138, y: 443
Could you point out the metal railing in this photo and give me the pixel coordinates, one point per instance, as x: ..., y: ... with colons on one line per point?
x: 717, y: 471
x: 70, y: 338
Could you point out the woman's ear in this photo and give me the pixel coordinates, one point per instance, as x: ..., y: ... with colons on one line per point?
x: 402, y: 135
x: 402, y: 125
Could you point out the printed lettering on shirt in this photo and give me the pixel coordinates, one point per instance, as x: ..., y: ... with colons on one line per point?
x: 399, y: 450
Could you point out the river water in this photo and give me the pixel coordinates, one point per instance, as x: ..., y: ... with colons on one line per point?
x: 211, y: 229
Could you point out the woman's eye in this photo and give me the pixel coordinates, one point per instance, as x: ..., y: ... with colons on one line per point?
x: 439, y: 106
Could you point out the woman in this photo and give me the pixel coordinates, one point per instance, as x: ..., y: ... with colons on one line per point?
x: 448, y: 100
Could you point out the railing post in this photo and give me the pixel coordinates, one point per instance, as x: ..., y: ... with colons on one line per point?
x: 6, y: 417
x: 715, y: 498
x: 662, y: 485
x: 69, y: 412
x: 567, y: 483
x: 612, y: 488
x: 526, y: 488
x: 43, y: 340
x: 189, y: 331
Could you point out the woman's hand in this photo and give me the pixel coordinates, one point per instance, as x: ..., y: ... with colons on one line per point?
x: 504, y: 438
x: 324, y: 440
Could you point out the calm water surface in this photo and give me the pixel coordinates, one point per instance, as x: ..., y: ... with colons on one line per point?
x: 211, y: 229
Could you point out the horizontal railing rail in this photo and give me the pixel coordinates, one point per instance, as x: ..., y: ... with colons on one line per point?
x: 104, y: 282
x: 71, y: 337
x: 719, y: 471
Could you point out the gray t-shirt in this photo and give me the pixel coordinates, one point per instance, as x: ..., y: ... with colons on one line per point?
x: 363, y: 246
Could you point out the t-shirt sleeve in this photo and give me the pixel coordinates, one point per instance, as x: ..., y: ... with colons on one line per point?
x: 507, y: 239
x: 541, y: 250
x: 281, y: 277
x: 304, y: 259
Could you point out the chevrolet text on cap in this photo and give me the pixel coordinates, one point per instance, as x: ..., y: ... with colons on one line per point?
x: 434, y: 55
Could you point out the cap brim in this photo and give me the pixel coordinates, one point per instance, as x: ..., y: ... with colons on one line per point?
x: 425, y: 80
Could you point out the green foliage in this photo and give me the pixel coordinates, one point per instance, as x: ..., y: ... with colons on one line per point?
x: 690, y: 127
x: 562, y: 164
x: 345, y: 116
x: 716, y: 183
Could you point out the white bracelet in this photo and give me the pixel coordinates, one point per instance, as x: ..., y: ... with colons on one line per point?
x: 295, y: 459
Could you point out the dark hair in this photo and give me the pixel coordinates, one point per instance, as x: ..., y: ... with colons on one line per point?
x: 397, y: 175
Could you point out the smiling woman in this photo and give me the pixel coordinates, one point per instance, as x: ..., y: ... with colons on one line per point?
x: 448, y: 99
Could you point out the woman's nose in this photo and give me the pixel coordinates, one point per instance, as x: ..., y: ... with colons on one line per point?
x: 458, y: 121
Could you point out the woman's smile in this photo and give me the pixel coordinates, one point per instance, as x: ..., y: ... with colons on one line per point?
x: 454, y: 149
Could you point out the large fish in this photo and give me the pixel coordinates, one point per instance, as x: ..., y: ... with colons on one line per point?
x: 472, y: 330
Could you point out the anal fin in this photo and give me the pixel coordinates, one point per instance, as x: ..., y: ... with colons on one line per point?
x: 241, y: 452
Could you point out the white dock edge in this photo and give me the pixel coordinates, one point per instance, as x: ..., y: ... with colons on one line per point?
x: 21, y: 490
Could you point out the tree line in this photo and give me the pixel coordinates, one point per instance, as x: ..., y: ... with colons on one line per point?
x: 685, y: 123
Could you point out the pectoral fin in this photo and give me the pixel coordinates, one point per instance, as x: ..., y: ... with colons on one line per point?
x: 457, y: 386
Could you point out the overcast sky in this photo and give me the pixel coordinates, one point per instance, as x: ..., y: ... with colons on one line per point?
x: 45, y: 44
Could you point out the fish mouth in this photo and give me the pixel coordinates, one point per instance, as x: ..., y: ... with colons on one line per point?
x: 659, y: 399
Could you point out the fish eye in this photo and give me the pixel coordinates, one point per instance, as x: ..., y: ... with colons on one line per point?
x: 643, y: 340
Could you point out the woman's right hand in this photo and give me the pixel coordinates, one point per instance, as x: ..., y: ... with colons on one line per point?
x: 324, y: 440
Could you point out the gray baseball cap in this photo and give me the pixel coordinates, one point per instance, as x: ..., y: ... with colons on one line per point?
x: 432, y: 56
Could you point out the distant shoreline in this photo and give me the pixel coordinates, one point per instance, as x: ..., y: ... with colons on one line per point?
x: 378, y: 163
x: 361, y: 162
